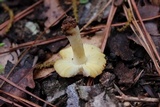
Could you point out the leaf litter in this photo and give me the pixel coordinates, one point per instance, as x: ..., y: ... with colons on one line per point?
x: 130, y: 65
x: 22, y: 76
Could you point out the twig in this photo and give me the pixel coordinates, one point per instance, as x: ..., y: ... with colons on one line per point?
x: 21, y: 14
x: 15, y: 85
x: 124, y: 97
x: 90, y: 81
x: 143, y: 37
x: 90, y: 30
x: 108, y: 26
x: 138, y: 99
x: 10, y: 102
x: 119, y: 91
x: 148, y: 37
x: 26, y: 51
x: 137, y: 78
x: 123, y: 23
x: 92, y: 19
x: 37, y: 43
x: 20, y: 99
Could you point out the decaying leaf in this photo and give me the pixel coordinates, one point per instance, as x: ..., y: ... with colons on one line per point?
x: 119, y: 45
x: 156, y: 40
x: 53, y: 88
x: 22, y: 76
x: 73, y: 98
x: 54, y: 11
x: 91, y: 9
x: 12, y: 57
x: 107, y: 79
x: 46, y: 71
x: 96, y: 96
x: 95, y: 40
x: 124, y: 74
x: 147, y: 10
x: 102, y: 100
x: 88, y: 92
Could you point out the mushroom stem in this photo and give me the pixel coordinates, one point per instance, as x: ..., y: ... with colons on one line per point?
x: 77, y: 45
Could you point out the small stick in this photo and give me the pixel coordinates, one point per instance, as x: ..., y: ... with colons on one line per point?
x: 92, y: 19
x: 10, y: 102
x: 37, y: 43
x: 119, y: 91
x: 108, y: 26
x: 27, y: 50
x: 136, y: 99
x: 15, y: 85
x: 148, y: 37
x: 19, y: 15
x: 20, y: 99
x: 124, y: 97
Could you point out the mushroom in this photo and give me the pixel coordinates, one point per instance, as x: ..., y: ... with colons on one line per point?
x: 79, y: 58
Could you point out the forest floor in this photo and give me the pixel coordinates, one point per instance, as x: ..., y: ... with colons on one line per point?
x: 126, y: 31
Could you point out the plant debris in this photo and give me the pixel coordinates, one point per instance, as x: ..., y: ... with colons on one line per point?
x: 22, y: 76
x: 31, y: 38
x: 54, y: 11
x: 115, y: 44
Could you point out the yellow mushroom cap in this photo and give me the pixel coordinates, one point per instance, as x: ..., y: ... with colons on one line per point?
x: 95, y: 62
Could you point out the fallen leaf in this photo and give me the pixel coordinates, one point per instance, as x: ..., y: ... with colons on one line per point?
x: 54, y: 88
x: 46, y: 71
x: 107, y: 79
x: 124, y: 74
x: 156, y: 40
x: 95, y: 40
x: 88, y: 92
x: 102, y: 100
x: 147, y: 10
x: 22, y: 75
x: 95, y: 96
x: 73, y: 98
x: 54, y: 11
x: 4, y: 58
x: 119, y: 45
x: 91, y: 9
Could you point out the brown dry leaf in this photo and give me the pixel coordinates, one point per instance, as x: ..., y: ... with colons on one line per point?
x: 103, y: 100
x: 94, y: 96
x: 124, y: 74
x: 22, y: 75
x: 12, y: 57
x: 43, y: 73
x: 147, y: 10
x: 156, y: 40
x: 46, y: 71
x: 54, y: 11
x: 107, y: 79
x: 119, y: 45
x: 91, y: 9
x: 95, y: 40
